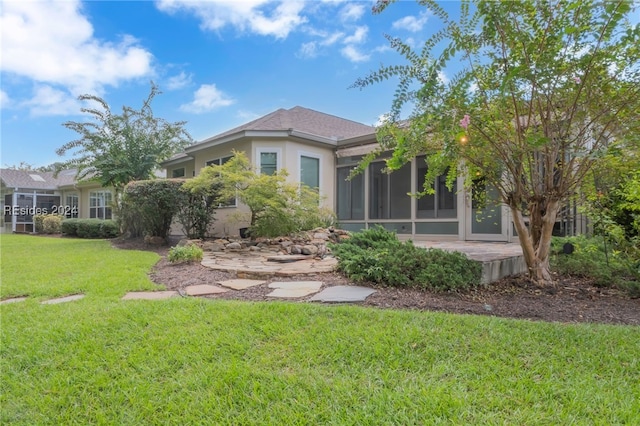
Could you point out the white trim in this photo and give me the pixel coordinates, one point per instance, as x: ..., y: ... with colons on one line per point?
x: 260, y: 150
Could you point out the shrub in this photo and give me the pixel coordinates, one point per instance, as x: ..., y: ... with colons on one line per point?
x: 52, y: 224
x: 38, y: 223
x: 70, y: 227
x: 189, y: 253
x: 149, y: 206
x: 196, y: 208
x: 47, y: 223
x: 376, y: 255
x: 593, y: 259
x: 90, y: 228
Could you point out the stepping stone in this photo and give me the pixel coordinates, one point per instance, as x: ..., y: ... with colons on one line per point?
x: 12, y: 300
x: 294, y: 288
x: 63, y: 299
x: 241, y: 284
x: 149, y: 295
x: 203, y: 290
x: 343, y: 293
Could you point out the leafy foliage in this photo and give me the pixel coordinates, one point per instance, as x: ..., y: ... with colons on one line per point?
x: 148, y: 207
x: 115, y: 149
x: 278, y: 207
x: 544, y: 90
x: 182, y: 254
x: 594, y: 258
x: 197, y: 208
x: 90, y: 228
x: 376, y: 255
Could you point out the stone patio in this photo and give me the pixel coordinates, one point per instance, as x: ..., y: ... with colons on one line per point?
x: 498, y: 259
x: 259, y: 265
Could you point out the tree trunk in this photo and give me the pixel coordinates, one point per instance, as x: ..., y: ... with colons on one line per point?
x: 536, y: 250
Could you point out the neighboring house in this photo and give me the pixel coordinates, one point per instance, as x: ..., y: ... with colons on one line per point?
x: 25, y: 193
x: 320, y: 150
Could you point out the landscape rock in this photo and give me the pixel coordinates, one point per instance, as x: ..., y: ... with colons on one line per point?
x: 310, y: 249
x: 213, y: 246
x: 235, y: 246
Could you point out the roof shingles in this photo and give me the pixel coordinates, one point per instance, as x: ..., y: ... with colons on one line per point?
x: 303, y: 120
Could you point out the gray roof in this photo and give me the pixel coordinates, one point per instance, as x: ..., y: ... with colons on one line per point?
x: 37, y: 180
x: 304, y: 120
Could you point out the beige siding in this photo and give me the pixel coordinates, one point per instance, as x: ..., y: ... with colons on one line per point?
x: 188, y: 166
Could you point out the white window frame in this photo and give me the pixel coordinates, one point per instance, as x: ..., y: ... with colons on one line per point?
x: 95, y: 194
x: 267, y: 150
x: 71, y: 205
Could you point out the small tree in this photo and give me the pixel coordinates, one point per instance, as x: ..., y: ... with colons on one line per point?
x: 115, y: 149
x: 543, y: 90
x: 277, y: 207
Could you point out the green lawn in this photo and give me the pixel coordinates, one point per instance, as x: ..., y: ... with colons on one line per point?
x: 101, y: 360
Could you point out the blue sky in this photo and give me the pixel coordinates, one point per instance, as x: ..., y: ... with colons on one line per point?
x: 218, y: 63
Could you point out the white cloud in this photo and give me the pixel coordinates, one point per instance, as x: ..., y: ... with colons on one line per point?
x: 52, y: 42
x: 411, y: 23
x: 5, y: 101
x: 332, y: 38
x: 247, y: 115
x: 48, y: 100
x: 382, y: 48
x: 382, y: 119
x: 256, y: 16
x: 442, y: 77
x: 207, y: 98
x: 178, y: 81
x: 359, y: 36
x: 353, y: 54
x: 308, y: 50
x: 351, y: 12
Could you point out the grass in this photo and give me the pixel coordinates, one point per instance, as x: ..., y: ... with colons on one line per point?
x: 101, y: 360
x: 46, y: 266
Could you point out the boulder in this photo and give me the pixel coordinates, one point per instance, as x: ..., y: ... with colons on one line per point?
x: 213, y: 246
x: 235, y: 246
x: 309, y: 249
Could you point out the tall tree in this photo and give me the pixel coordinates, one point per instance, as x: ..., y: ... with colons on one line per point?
x: 541, y: 90
x: 115, y: 149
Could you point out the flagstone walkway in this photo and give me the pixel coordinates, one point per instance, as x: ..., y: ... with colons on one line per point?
x: 280, y: 290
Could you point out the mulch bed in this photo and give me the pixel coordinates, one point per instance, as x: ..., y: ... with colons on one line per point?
x: 572, y: 300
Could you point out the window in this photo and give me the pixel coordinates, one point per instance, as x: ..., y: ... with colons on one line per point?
x: 268, y: 163
x: 442, y: 204
x: 388, y: 192
x: 71, y: 206
x: 231, y: 202
x: 310, y: 171
x: 100, y: 204
x: 219, y: 161
x: 350, y: 195
x: 178, y: 173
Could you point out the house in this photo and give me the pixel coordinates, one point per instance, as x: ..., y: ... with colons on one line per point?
x: 25, y: 193
x: 320, y: 150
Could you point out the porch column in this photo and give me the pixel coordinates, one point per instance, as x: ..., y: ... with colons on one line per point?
x: 14, y: 202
